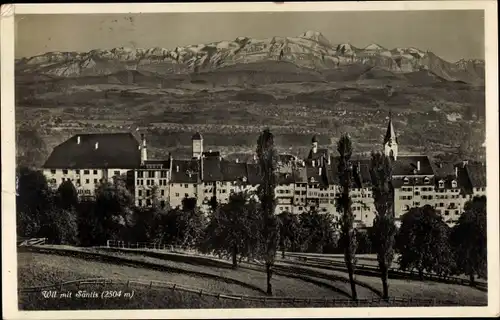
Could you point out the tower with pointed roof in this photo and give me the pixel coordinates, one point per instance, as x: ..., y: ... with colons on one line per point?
x: 391, y: 141
x: 197, y: 145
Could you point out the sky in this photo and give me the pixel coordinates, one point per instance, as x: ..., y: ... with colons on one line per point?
x: 451, y: 35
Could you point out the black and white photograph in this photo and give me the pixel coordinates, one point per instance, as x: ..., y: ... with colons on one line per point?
x: 239, y: 159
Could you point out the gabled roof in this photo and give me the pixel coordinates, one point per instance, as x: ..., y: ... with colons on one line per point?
x: 253, y: 174
x: 300, y: 174
x: 114, y: 150
x: 211, y: 169
x: 405, y: 166
x: 210, y: 154
x: 184, y: 171
x: 320, y: 153
x: 233, y: 171
x: 163, y: 164
x: 477, y: 175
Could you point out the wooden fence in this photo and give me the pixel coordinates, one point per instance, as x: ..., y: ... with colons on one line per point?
x: 315, y: 260
x: 322, y: 301
x: 395, y: 271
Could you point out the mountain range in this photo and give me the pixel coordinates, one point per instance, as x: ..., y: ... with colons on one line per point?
x: 310, y: 51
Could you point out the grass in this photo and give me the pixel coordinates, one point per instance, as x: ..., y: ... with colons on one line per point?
x: 36, y: 269
x: 464, y: 295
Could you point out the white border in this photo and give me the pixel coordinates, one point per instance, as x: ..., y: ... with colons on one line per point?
x: 9, y: 257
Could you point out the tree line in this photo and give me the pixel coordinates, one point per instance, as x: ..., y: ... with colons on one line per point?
x: 247, y: 228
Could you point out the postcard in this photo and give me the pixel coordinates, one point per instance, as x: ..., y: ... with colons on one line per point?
x: 242, y: 160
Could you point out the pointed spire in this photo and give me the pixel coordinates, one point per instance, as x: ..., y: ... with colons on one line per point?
x: 390, y: 134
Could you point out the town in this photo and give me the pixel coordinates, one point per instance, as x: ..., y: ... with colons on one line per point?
x: 303, y: 185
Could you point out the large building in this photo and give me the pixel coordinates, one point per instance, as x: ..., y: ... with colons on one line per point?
x: 302, y: 184
x: 89, y: 159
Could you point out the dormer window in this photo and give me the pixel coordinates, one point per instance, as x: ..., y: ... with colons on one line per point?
x: 441, y: 184
x: 312, y: 179
x: 406, y: 180
x: 426, y: 180
x: 454, y: 184
x: 244, y: 179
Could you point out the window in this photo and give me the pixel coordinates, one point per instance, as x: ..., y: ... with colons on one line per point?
x: 453, y: 184
x: 164, y: 174
x: 87, y: 181
x: 429, y: 197
x: 176, y: 194
x: 140, y: 174
x: 300, y: 208
x: 185, y: 185
x: 446, y: 212
x: 65, y: 171
x: 77, y: 171
x: 95, y: 171
x: 441, y: 204
x: 162, y: 192
x: 78, y: 182
x: 426, y: 180
x: 148, y: 202
x: 148, y: 193
x: 139, y: 202
x: 151, y: 174
x: 162, y: 203
x: 139, y: 192
x: 86, y: 171
x: 406, y: 180
x: 441, y: 184
x: 95, y: 181
x: 116, y: 173
x: 53, y: 171
x: 147, y: 182
x: 417, y: 193
x: 417, y: 203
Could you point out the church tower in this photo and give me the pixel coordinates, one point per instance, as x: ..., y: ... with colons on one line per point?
x: 197, y: 145
x: 391, y: 141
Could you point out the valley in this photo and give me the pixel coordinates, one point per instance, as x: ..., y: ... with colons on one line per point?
x: 230, y: 94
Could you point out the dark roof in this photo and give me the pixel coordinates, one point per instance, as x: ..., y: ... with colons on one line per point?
x: 233, y: 171
x: 212, y: 169
x: 399, y: 181
x: 285, y: 178
x: 300, y: 174
x: 163, y: 164
x: 320, y: 153
x: 115, y: 150
x: 313, y: 172
x: 444, y: 169
x: 211, y: 154
x: 477, y: 175
x: 253, y: 174
x: 197, y: 136
x: 405, y: 165
x: 184, y: 171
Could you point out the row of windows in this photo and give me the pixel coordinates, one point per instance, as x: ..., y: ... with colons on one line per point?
x: 86, y: 172
x: 151, y: 174
x: 148, y: 193
x: 149, y: 182
x: 78, y: 181
x: 148, y: 203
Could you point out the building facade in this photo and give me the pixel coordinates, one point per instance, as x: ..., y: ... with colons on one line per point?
x: 302, y: 184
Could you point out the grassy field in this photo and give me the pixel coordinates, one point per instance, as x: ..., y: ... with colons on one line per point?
x: 37, y: 269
